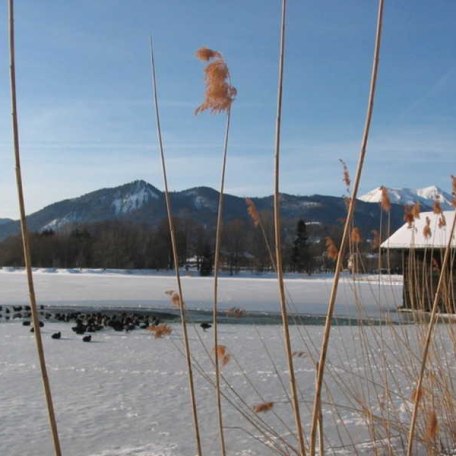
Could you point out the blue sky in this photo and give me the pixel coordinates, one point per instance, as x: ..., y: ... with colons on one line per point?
x: 85, y: 105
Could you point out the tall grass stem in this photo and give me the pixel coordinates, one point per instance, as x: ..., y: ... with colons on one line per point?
x: 278, y: 243
x: 346, y: 232
x: 175, y: 258
x: 25, y: 238
x: 218, y: 238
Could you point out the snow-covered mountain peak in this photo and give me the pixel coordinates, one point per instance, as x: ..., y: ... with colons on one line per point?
x: 133, y: 197
x: 425, y: 196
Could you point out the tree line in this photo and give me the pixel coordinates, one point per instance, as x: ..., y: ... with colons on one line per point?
x: 128, y: 245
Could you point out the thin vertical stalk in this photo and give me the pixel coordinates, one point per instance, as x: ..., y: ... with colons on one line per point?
x: 427, y: 342
x: 321, y: 445
x: 345, y: 236
x: 25, y: 239
x: 218, y: 237
x: 278, y: 243
x: 175, y: 259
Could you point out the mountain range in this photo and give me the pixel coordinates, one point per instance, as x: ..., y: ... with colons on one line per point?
x: 141, y: 202
x: 425, y: 196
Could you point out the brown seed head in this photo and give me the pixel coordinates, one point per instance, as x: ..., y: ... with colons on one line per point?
x: 161, y: 330
x: 222, y: 354
x: 346, y: 175
x: 356, y: 235
x: 432, y: 426
x: 219, y: 93
x: 206, y: 54
x: 385, y: 202
x: 416, y: 395
x: 437, y: 207
x: 263, y: 407
x: 331, y: 249
x: 427, y: 233
x: 408, y: 215
x: 174, y: 297
x: 416, y: 210
x: 442, y: 220
x: 252, y: 211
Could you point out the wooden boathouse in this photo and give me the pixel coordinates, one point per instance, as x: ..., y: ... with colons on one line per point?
x: 422, y: 243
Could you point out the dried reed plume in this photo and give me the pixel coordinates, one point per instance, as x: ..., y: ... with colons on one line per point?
x: 174, y: 297
x: 207, y: 54
x: 432, y: 427
x: 160, y: 330
x: 223, y: 355
x: 417, y: 394
x: 219, y: 96
x: 437, y: 207
x: 356, y: 235
x: 416, y: 210
x: 219, y: 92
x: 427, y: 233
x: 346, y: 176
x: 408, y: 215
x: 331, y: 249
x: 252, y: 211
x: 263, y: 407
x: 442, y: 220
x: 385, y: 202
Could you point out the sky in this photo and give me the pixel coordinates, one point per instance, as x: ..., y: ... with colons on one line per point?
x: 86, y: 116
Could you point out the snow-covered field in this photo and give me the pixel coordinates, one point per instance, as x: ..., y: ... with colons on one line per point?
x: 126, y: 393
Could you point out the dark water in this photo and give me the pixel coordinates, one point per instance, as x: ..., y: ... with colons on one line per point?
x: 11, y: 313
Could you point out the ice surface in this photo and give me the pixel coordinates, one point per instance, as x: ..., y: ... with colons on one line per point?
x: 127, y: 393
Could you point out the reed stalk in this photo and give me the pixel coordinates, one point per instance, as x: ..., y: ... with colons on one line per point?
x: 218, y: 237
x: 431, y: 325
x: 26, y: 241
x: 175, y: 259
x: 346, y: 232
x: 219, y: 96
x: 278, y: 243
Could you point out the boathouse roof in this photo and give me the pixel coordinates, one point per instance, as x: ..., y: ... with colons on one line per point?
x: 418, y: 236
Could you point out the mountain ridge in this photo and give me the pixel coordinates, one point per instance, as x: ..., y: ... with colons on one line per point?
x: 425, y: 196
x: 141, y: 202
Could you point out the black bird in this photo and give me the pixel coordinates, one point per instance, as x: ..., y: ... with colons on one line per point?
x: 26, y: 323
x: 205, y: 326
x: 57, y: 335
x: 87, y: 338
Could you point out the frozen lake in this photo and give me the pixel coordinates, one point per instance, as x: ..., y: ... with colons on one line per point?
x: 126, y: 393
x: 306, y: 295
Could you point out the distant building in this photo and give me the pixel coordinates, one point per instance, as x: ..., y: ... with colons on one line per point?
x: 422, y: 244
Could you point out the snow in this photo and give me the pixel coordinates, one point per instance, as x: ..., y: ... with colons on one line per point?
x: 307, y: 295
x: 126, y: 393
x: 127, y: 203
x: 425, y: 196
x: 408, y: 237
x: 55, y: 224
